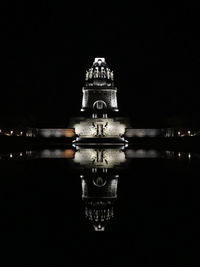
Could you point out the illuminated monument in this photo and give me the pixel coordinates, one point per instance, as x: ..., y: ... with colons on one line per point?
x: 99, y: 126
x: 99, y: 123
x: 99, y: 93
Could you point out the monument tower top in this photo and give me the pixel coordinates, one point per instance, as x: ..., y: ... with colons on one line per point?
x: 99, y: 92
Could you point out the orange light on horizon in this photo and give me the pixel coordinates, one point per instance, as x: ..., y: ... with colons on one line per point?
x: 69, y: 132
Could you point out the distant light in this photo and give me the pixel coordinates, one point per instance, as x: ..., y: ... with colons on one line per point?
x: 189, y: 155
x: 179, y: 133
x: 0, y: 130
x: 189, y: 132
x: 179, y: 154
x: 46, y: 132
x: 69, y: 153
x: 57, y: 133
x: 69, y: 132
x: 11, y: 155
x: 20, y: 154
x: 11, y: 132
x: 21, y: 133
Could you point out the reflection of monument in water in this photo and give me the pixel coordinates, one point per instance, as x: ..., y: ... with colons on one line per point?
x: 99, y: 192
x: 99, y: 107
x: 99, y: 168
x: 99, y: 180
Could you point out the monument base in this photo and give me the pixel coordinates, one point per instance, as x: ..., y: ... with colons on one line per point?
x: 100, y: 141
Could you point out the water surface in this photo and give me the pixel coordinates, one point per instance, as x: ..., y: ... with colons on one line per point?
x: 105, y: 189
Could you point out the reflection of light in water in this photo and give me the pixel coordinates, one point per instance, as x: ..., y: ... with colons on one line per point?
x: 180, y: 155
x: 57, y: 153
x: 141, y: 153
x: 142, y: 132
x: 153, y: 153
x: 102, y: 158
x: 45, y: 153
x: 69, y: 153
x: 99, y: 181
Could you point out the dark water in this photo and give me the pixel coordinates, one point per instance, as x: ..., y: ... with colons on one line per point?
x: 146, y: 201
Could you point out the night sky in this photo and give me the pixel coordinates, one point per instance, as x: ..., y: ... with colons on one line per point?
x: 46, y: 48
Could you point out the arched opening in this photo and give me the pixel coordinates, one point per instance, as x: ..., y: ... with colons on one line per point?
x: 99, y: 105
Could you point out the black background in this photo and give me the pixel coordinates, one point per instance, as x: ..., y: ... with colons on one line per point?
x: 47, y: 47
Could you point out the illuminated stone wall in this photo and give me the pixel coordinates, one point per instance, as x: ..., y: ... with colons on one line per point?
x: 105, y: 127
x: 99, y: 86
x: 90, y: 96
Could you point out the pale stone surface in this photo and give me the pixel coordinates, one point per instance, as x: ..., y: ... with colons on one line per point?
x: 104, y: 127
